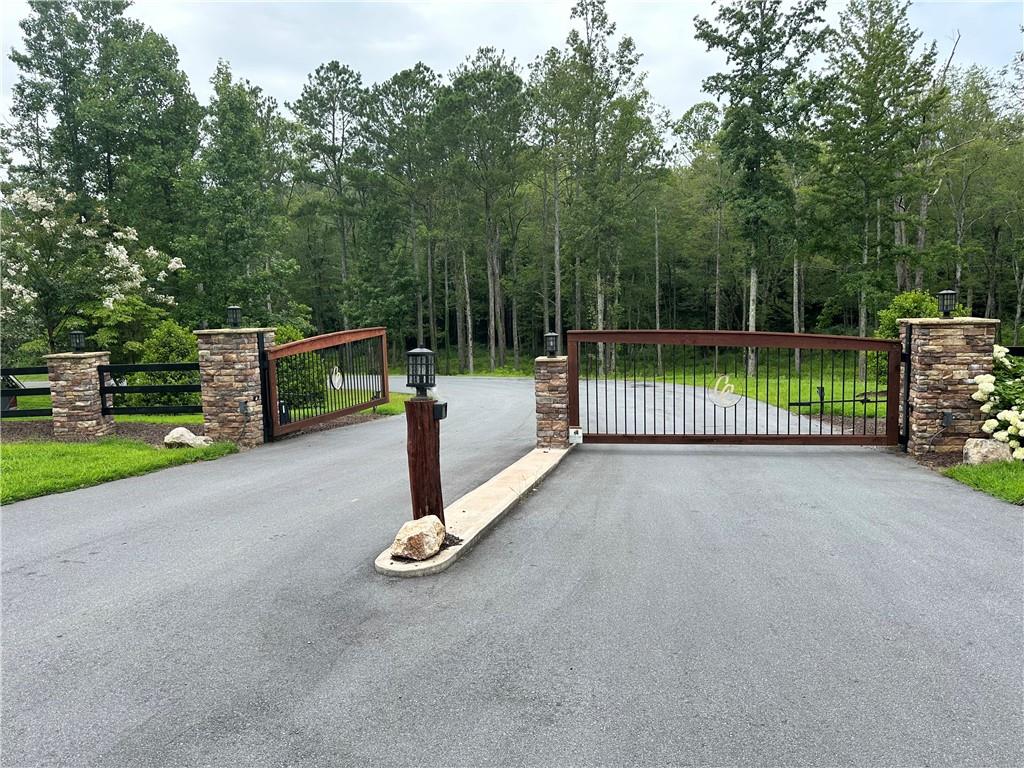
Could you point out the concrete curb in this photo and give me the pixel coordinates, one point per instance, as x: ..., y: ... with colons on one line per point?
x: 474, y: 514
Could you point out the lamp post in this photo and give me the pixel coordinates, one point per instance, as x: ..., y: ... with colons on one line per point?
x: 947, y: 302
x: 423, y: 435
x: 551, y: 343
x: 234, y: 317
x: 77, y: 341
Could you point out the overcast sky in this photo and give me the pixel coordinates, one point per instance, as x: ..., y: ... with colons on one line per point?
x: 276, y: 44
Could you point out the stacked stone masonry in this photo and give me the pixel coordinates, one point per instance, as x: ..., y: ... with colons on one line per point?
x: 551, y: 384
x: 229, y: 370
x: 945, y: 356
x: 75, y: 395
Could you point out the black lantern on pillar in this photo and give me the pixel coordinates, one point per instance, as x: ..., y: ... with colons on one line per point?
x: 77, y: 341
x: 947, y: 302
x: 420, y: 373
x: 551, y: 343
x: 234, y: 317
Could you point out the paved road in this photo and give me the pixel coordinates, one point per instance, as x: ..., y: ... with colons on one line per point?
x: 647, y: 605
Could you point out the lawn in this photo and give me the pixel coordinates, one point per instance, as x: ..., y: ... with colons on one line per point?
x: 37, y: 468
x: 1002, y: 479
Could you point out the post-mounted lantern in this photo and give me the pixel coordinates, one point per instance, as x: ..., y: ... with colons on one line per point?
x: 420, y: 372
x: 234, y: 317
x: 423, y: 442
x: 77, y: 341
x: 947, y: 302
x: 551, y: 343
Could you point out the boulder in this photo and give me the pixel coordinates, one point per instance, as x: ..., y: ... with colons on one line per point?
x: 978, y: 450
x: 419, y: 539
x: 179, y: 437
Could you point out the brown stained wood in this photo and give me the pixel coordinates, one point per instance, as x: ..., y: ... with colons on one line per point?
x: 300, y: 424
x: 750, y: 339
x: 741, y: 439
x: 323, y: 341
x: 423, y: 445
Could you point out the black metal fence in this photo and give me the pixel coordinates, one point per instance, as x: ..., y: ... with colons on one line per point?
x: 13, y: 388
x: 146, y: 388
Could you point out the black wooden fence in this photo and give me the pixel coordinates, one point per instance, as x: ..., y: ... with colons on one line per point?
x: 13, y: 388
x: 114, y: 388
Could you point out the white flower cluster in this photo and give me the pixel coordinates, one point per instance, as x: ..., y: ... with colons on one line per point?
x: 31, y: 200
x: 175, y: 264
x: 1007, y: 423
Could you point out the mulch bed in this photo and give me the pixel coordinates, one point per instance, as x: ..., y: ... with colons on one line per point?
x: 42, y: 429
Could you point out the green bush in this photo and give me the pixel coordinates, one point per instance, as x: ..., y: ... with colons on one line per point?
x: 909, y: 304
x: 298, y: 385
x: 169, y: 343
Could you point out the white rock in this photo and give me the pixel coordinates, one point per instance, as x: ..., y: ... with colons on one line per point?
x: 419, y: 539
x: 179, y: 437
x: 978, y: 450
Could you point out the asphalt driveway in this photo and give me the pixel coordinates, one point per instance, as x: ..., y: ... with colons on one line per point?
x: 647, y: 605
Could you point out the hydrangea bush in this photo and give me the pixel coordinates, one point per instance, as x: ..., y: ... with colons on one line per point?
x: 1001, y: 395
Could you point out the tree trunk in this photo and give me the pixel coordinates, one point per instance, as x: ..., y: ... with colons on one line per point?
x: 796, y: 309
x: 469, y: 313
x: 557, y: 267
x: 752, y: 317
x: 657, y: 286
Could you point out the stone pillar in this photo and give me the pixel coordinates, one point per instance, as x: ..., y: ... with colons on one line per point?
x: 229, y: 371
x: 551, y: 385
x: 75, y: 394
x: 945, y: 356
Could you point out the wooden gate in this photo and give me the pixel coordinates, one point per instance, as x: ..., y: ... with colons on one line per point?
x: 733, y: 387
x: 314, y: 380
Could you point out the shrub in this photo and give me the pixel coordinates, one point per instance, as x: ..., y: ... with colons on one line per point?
x: 909, y: 304
x: 169, y: 343
x: 1001, y: 395
x: 298, y: 385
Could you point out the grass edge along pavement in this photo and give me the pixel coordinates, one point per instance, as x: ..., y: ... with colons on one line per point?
x: 31, y: 468
x: 1002, y: 479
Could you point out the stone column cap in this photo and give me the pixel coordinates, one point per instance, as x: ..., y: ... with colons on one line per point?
x: 237, y: 331
x: 75, y: 355
x: 949, y: 320
x: 546, y: 359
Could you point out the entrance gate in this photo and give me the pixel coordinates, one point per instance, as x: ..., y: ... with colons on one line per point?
x: 733, y: 387
x: 313, y: 380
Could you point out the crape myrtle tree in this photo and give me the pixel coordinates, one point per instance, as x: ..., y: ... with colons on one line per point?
x: 473, y: 210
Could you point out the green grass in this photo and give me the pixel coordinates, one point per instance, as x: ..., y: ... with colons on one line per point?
x: 37, y: 468
x: 1002, y: 479
x: 394, y: 407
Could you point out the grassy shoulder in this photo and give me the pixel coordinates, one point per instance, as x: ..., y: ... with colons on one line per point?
x: 32, y: 469
x: 1002, y: 479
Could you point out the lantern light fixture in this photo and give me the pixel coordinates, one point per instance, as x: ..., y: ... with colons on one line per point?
x: 551, y: 343
x: 947, y: 302
x: 77, y: 341
x: 420, y: 370
x: 234, y: 317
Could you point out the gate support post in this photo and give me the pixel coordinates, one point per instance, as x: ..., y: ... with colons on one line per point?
x: 229, y: 370
x: 945, y: 356
x: 75, y: 394
x: 551, y: 388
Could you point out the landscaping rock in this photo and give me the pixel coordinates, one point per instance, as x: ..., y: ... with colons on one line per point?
x: 179, y: 437
x: 979, y: 450
x: 419, y: 539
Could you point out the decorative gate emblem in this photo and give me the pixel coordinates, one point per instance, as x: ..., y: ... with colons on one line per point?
x: 723, y: 394
x: 336, y: 379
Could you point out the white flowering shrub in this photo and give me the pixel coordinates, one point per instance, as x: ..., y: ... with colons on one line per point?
x: 58, y: 262
x: 1001, y: 395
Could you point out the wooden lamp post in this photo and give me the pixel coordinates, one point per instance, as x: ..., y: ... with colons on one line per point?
x: 423, y: 442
